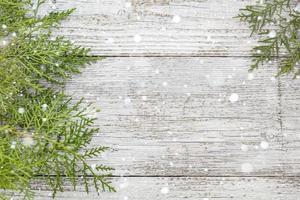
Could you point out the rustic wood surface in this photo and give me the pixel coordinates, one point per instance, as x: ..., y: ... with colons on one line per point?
x: 164, y: 92
x: 158, y: 27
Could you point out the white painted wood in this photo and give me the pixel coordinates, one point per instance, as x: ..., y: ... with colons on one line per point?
x: 192, y: 188
x: 290, y: 100
x: 172, y: 116
x: 158, y: 28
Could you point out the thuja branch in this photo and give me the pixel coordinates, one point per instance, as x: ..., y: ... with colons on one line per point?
x: 42, y: 130
x: 277, y: 23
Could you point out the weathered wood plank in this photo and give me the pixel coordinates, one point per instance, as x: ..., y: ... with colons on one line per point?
x: 158, y: 28
x: 172, y: 116
x: 192, y: 188
x: 290, y: 114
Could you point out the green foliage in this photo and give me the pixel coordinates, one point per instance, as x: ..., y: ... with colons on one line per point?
x: 43, y: 131
x: 277, y: 23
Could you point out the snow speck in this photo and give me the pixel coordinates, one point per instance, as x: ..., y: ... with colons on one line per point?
x: 264, y: 145
x: 246, y: 168
x: 164, y: 190
x: 109, y: 40
x: 250, y: 76
x: 13, y: 145
x: 144, y: 98
x: 127, y: 101
x: 176, y: 19
x: 244, y: 147
x: 234, y: 97
x: 137, y: 38
x: 128, y: 4
x: 125, y: 198
x: 272, y: 34
x: 44, y: 107
x: 21, y: 110
x: 165, y: 84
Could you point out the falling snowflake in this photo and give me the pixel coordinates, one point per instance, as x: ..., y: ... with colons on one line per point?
x: 272, y: 34
x: 246, y: 168
x: 21, y: 110
x: 109, y: 40
x: 176, y: 19
x: 264, y: 145
x: 137, y: 38
x: 244, y: 147
x: 13, y: 145
x: 250, y: 76
x: 127, y: 101
x: 144, y: 98
x: 128, y: 4
x: 44, y: 107
x: 234, y: 97
x: 93, y: 166
x: 164, y: 190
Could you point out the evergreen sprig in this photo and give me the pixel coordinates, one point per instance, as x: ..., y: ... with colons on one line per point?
x: 43, y: 132
x: 277, y: 23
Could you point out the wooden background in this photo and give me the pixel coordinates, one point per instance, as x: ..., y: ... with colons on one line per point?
x: 164, y: 93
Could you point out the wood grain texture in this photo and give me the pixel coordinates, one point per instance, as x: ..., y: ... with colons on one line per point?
x: 172, y: 116
x: 192, y: 188
x: 158, y: 27
x: 168, y: 118
x: 290, y: 100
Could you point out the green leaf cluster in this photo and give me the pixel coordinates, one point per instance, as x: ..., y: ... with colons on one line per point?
x: 43, y: 132
x: 277, y: 23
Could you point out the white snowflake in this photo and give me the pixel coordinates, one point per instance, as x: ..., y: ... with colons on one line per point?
x: 244, y: 147
x: 144, y: 98
x: 165, y: 83
x: 4, y: 26
x: 4, y: 42
x: 127, y: 101
x: 246, y: 168
x: 176, y: 19
x: 250, y: 76
x: 44, y: 107
x: 109, y: 40
x: 164, y: 190
x: 234, y: 97
x: 137, y: 38
x: 21, y: 110
x: 264, y: 145
x: 128, y: 4
x: 13, y: 145
x: 93, y: 166
x: 272, y: 34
